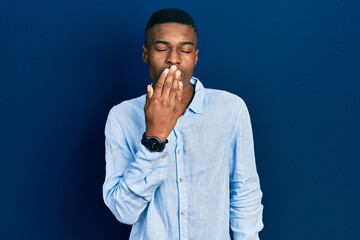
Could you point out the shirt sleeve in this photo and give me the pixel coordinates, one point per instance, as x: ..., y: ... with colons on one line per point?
x: 130, y: 181
x: 245, y: 194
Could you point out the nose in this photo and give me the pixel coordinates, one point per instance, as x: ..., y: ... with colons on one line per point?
x: 173, y: 58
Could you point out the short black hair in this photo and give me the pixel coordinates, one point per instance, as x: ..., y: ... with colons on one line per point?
x: 170, y: 15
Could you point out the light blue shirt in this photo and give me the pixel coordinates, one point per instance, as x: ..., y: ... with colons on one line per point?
x: 203, y: 183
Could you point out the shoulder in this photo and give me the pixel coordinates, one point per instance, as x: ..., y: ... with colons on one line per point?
x: 132, y: 109
x: 129, y: 105
x: 224, y: 99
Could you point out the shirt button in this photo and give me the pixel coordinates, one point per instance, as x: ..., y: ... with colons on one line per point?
x: 182, y: 214
x: 180, y: 179
x: 163, y: 156
x: 178, y: 151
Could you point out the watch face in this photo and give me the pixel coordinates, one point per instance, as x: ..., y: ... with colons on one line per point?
x: 153, y: 144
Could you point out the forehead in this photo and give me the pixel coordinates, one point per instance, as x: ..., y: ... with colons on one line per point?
x: 172, y: 33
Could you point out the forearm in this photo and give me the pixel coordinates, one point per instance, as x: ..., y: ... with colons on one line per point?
x: 127, y: 192
x: 246, y: 210
x: 123, y: 203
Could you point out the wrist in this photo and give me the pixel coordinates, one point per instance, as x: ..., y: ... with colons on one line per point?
x: 153, y: 144
x: 161, y: 137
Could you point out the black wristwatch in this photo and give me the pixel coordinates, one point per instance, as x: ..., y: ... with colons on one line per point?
x: 153, y: 144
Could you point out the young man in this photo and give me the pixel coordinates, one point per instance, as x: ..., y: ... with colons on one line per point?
x: 180, y: 160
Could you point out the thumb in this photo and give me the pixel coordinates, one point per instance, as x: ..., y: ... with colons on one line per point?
x: 150, y: 92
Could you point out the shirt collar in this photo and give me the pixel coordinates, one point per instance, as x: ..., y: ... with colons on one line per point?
x: 197, y: 102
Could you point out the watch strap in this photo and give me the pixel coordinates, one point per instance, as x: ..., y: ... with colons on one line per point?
x: 153, y: 144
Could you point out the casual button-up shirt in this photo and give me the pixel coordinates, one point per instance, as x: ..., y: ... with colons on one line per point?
x: 204, y: 182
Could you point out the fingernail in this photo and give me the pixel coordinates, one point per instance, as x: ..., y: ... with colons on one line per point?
x: 148, y: 88
x: 166, y: 70
x: 180, y: 84
x: 177, y: 74
x: 173, y: 68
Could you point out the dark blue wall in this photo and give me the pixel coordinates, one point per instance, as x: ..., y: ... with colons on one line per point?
x: 64, y: 64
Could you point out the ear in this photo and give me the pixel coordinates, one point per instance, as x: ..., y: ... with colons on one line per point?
x: 196, y: 56
x: 145, y: 54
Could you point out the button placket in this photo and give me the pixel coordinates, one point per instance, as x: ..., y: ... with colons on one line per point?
x: 182, y: 191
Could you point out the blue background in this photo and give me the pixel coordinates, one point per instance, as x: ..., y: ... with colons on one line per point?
x: 64, y: 64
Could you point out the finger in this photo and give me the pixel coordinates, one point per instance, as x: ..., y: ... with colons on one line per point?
x: 150, y: 92
x: 179, y: 94
x: 160, y: 83
x: 168, y: 82
x: 174, y: 88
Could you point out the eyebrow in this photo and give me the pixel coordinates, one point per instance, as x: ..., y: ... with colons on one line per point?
x: 167, y: 43
x: 185, y: 43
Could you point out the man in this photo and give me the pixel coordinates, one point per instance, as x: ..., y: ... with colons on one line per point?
x: 180, y: 159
